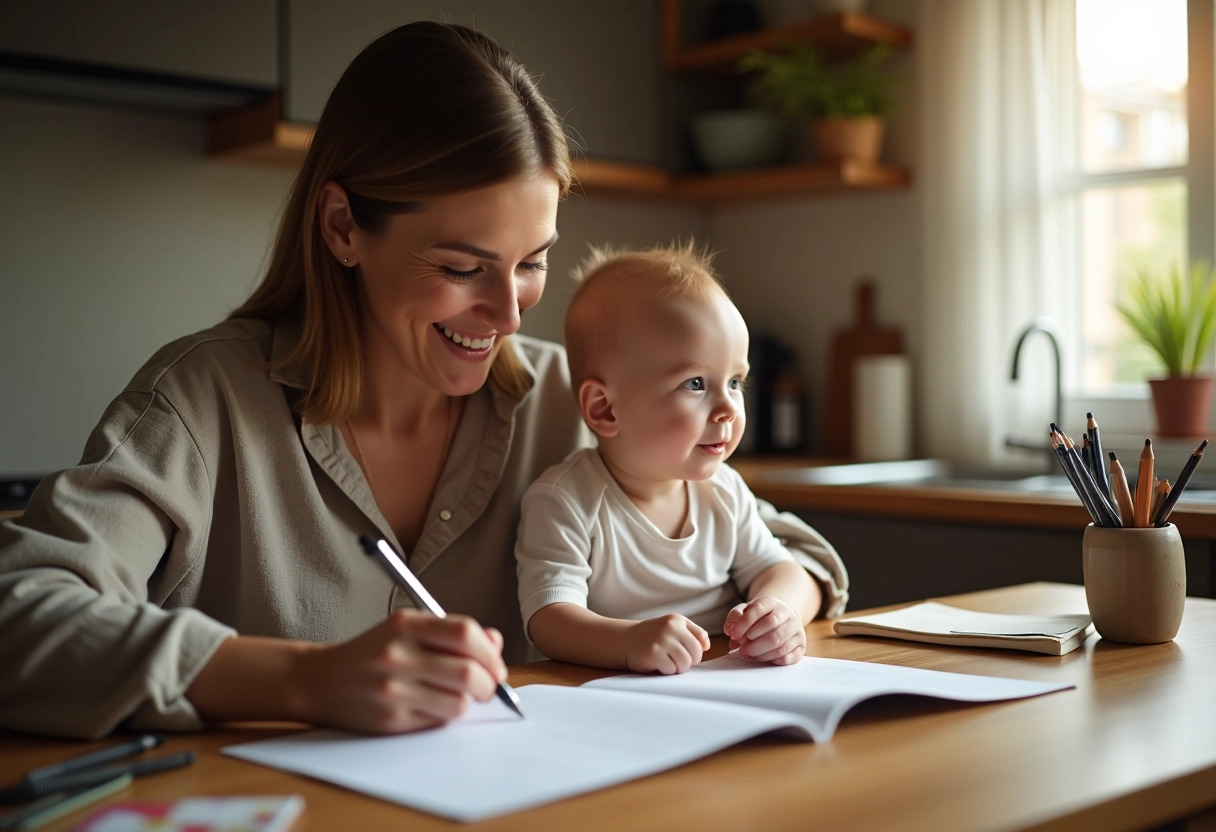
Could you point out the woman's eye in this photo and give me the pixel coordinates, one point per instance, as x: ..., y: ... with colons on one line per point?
x: 538, y: 266
x: 456, y: 274
x: 697, y: 383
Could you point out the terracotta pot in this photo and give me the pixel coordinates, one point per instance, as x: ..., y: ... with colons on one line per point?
x: 857, y: 138
x: 1183, y: 404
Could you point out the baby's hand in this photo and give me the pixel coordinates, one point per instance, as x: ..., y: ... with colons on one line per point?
x: 668, y: 644
x: 766, y: 630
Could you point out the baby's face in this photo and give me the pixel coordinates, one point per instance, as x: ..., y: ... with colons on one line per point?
x: 677, y: 388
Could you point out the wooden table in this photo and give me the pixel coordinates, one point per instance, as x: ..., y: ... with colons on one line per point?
x: 1133, y: 747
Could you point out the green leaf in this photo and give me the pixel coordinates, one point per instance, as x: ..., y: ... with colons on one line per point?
x: 1174, y: 315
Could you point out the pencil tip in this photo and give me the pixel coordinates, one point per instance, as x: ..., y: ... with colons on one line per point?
x: 1148, y: 442
x: 1089, y: 414
x: 1112, y: 455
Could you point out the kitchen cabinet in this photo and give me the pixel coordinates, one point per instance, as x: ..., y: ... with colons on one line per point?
x: 894, y: 560
x: 218, y: 40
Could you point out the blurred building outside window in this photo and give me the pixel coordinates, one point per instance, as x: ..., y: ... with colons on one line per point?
x: 1130, y: 180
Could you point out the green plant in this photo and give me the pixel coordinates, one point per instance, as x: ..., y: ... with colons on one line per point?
x: 1175, y: 316
x: 797, y: 81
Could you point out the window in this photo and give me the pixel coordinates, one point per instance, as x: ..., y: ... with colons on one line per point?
x: 1130, y: 183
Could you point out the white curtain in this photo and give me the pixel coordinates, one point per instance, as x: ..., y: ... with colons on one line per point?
x: 994, y: 134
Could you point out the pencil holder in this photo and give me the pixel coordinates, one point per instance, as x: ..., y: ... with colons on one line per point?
x: 1135, y: 582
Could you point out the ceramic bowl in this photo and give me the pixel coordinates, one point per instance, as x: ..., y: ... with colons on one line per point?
x: 736, y: 139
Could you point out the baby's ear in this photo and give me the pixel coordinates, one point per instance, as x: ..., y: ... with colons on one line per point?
x: 595, y: 403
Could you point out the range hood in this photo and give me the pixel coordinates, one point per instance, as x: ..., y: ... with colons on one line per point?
x: 30, y: 76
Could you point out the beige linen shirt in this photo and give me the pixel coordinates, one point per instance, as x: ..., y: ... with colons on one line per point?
x: 204, y: 506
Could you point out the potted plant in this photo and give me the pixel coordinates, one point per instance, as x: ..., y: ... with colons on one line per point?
x: 1175, y: 316
x: 847, y: 103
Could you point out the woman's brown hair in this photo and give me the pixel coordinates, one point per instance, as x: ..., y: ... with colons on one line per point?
x: 425, y: 111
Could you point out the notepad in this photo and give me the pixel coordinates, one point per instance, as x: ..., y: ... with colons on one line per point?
x: 579, y: 739
x: 936, y: 623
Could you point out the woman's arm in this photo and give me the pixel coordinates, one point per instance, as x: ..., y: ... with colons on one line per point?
x: 413, y: 671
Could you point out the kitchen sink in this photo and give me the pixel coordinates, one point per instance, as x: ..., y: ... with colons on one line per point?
x: 938, y: 473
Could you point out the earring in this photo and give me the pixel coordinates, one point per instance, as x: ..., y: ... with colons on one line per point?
x: 345, y: 260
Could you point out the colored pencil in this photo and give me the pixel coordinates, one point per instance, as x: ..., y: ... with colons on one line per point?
x: 1144, y: 486
x: 1122, y: 493
x: 1159, y: 491
x: 1167, y: 505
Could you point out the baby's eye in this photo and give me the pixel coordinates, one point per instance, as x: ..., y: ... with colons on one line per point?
x: 697, y: 383
x: 736, y: 383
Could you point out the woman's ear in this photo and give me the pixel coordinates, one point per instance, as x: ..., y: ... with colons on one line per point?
x: 595, y: 403
x: 337, y: 223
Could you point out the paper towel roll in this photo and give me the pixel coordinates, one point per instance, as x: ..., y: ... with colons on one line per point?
x: 882, y: 407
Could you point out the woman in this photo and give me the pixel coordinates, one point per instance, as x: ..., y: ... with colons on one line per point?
x: 201, y: 564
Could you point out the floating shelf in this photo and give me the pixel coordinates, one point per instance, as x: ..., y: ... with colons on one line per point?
x: 255, y: 135
x: 789, y: 180
x: 835, y: 35
x: 258, y: 135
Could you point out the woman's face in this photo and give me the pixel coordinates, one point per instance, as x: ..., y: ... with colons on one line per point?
x: 442, y: 286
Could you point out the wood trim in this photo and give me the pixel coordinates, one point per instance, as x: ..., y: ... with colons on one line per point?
x: 601, y: 175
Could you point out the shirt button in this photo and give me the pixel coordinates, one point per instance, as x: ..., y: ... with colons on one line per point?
x: 445, y: 515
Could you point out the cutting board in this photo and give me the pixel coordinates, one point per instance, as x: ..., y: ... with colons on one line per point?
x: 862, y: 337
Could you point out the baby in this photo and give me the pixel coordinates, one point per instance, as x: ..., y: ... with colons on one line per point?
x: 632, y: 553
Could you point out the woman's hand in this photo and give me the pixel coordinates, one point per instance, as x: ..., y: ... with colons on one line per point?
x: 668, y: 644
x: 412, y: 671
x: 766, y: 629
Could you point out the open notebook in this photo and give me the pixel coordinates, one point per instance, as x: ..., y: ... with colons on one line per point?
x: 578, y: 739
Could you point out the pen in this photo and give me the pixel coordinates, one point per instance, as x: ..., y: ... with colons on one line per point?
x: 56, y: 805
x: 383, y: 552
x: 1167, y: 505
x: 94, y: 758
x: 96, y: 776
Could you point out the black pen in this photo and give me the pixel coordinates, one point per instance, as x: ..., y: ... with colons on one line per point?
x: 408, y: 581
x: 94, y: 776
x: 105, y: 755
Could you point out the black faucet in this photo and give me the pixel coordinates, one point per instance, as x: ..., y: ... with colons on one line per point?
x: 1048, y: 327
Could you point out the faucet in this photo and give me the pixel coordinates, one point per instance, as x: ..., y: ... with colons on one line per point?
x: 1048, y: 327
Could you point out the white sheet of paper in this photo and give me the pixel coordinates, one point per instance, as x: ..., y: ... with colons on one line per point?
x: 576, y: 740
x: 822, y: 690
x: 491, y: 762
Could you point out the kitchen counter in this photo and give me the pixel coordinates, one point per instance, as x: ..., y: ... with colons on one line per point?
x: 941, y: 503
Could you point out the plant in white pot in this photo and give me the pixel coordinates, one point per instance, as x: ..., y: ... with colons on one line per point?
x: 847, y: 102
x: 1175, y: 316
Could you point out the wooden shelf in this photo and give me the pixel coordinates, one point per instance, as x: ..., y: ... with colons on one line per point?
x: 257, y: 134
x: 789, y: 180
x: 835, y: 35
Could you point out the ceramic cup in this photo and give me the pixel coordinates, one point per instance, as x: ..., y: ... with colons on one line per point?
x: 1135, y: 582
